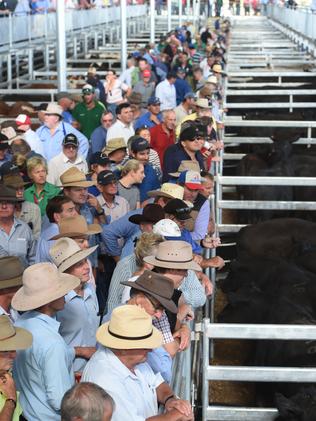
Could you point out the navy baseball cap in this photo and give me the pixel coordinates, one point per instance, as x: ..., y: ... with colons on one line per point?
x: 153, y: 100
x: 139, y: 144
x: 71, y: 139
x: 99, y: 158
x: 8, y: 168
x: 190, y: 133
x: 106, y: 177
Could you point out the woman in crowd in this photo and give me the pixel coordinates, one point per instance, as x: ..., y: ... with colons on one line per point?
x: 114, y: 89
x: 132, y: 173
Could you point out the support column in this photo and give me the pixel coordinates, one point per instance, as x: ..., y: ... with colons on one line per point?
x: 180, y: 12
x: 169, y: 14
x: 152, y: 21
x: 123, y: 35
x: 61, y: 46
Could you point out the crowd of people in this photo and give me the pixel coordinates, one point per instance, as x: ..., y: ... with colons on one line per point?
x: 104, y: 215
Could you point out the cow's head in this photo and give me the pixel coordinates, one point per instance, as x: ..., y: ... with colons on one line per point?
x: 300, y: 407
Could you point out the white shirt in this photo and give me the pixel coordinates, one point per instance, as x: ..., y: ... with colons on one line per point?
x: 115, y: 95
x: 59, y: 164
x: 127, y: 290
x: 166, y: 92
x: 116, y: 210
x: 126, y: 76
x: 134, y: 395
x: 34, y: 141
x: 119, y: 129
x: 207, y: 70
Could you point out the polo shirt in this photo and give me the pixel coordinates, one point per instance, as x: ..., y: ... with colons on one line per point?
x: 166, y: 92
x: 145, y: 120
x: 160, y: 140
x: 182, y: 88
x: 41, y: 199
x: 58, y: 165
x: 146, y: 91
x: 119, y: 129
x: 134, y: 394
x: 34, y: 141
x: 150, y: 182
x: 115, y: 210
x: 89, y: 119
x: 98, y: 139
x: 173, y: 157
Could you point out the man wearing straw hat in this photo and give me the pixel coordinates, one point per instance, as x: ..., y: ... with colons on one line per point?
x: 44, y: 371
x: 79, y: 319
x: 119, y: 367
x: 11, y: 339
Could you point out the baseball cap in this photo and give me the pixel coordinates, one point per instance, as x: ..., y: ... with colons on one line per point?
x: 189, y: 133
x: 99, y: 158
x: 63, y: 94
x: 106, y: 177
x: 71, y: 139
x: 23, y: 119
x: 88, y: 89
x: 191, y: 179
x: 146, y: 73
x: 153, y: 100
x: 8, y: 168
x: 190, y: 95
x: 139, y: 144
x: 180, y: 69
x: 178, y: 208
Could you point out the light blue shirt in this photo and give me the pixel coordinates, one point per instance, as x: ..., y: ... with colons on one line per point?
x: 166, y: 92
x: 43, y: 244
x: 79, y: 321
x: 43, y: 372
x: 52, y: 144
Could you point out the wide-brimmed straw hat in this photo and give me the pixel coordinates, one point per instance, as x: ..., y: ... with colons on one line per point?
x: 113, y: 145
x: 54, y: 108
x: 11, y: 272
x: 42, y: 284
x: 169, y: 190
x: 152, y: 213
x: 156, y: 285
x: 130, y: 327
x: 173, y: 255
x: 66, y: 253
x: 13, y: 338
x: 76, y: 227
x: 8, y: 194
x: 73, y: 177
x: 186, y: 165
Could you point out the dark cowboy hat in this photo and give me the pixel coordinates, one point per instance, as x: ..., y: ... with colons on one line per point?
x: 9, y: 195
x: 152, y: 213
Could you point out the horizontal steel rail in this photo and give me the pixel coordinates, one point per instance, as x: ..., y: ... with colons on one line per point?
x: 268, y: 105
x: 258, y: 140
x: 265, y: 181
x: 260, y: 92
x: 250, y: 73
x: 265, y: 205
x: 267, y: 123
x: 221, y: 413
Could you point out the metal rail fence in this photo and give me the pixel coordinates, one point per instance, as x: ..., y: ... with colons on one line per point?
x: 213, y: 331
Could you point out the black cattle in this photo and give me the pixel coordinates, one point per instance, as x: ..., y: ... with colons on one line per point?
x: 300, y: 407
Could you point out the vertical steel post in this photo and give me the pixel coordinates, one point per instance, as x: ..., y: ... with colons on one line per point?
x: 152, y: 21
x: 180, y: 12
x: 61, y: 46
x: 205, y: 357
x: 169, y: 14
x: 10, y: 31
x: 123, y: 35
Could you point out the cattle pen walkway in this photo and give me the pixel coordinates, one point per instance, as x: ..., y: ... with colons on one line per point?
x: 270, y: 88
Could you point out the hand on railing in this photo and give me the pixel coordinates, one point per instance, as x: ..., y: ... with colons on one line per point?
x: 207, y: 283
x: 184, y: 336
x: 211, y: 242
x: 185, y: 313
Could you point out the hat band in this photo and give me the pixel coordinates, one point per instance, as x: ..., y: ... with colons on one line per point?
x: 131, y: 338
x: 173, y: 261
x: 8, y: 337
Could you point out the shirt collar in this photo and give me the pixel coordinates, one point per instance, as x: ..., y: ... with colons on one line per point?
x: 50, y: 321
x: 78, y: 159
x: 72, y: 294
x: 119, y: 366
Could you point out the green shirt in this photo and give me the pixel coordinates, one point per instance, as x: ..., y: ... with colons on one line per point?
x: 41, y: 200
x: 88, y: 119
x: 18, y: 410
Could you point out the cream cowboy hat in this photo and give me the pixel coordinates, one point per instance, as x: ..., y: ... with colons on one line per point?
x: 186, y: 165
x: 76, y: 227
x: 130, y: 327
x: 13, y: 338
x: 73, y: 177
x: 66, y: 253
x: 42, y: 284
x: 173, y: 255
x: 169, y: 190
x: 54, y: 108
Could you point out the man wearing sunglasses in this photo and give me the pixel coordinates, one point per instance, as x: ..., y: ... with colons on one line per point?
x: 68, y: 157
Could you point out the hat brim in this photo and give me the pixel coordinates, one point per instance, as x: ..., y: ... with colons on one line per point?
x: 50, y: 113
x: 174, y: 174
x: 92, y: 230
x: 72, y: 260
x: 10, y: 199
x: 21, y: 340
x: 105, y: 338
x: 167, y: 304
x: 172, y: 265
x: 78, y: 184
x: 139, y: 218
x: 194, y: 186
x: 25, y: 302
x: 11, y: 283
x: 156, y: 193
x: 107, y: 152
x: 183, y: 216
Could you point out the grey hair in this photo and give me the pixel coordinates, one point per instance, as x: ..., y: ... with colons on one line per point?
x: 165, y: 113
x: 86, y: 401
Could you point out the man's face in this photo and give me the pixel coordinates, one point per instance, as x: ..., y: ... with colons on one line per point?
x: 146, y: 79
x: 142, y: 156
x: 88, y: 98
x: 192, y: 145
x: 6, y: 209
x: 51, y: 120
x: 81, y: 270
x: 118, y: 155
x: 190, y: 194
x: 6, y: 360
x: 170, y: 121
x: 143, y: 65
x: 172, y: 80
x: 68, y: 210
x: 137, y: 356
x: 98, y: 168
x: 71, y: 152
x: 38, y: 174
x: 204, y: 112
x: 150, y: 305
x: 145, y: 133
x: 146, y: 226
x: 57, y: 305
x: 197, y: 75
x: 107, y: 120
x: 126, y: 115
x: 177, y: 276
x: 110, y: 188
x: 19, y: 192
x: 82, y: 242
x: 78, y: 195
x: 154, y: 109
x: 210, y: 61
x: 181, y: 75
x: 208, y: 187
